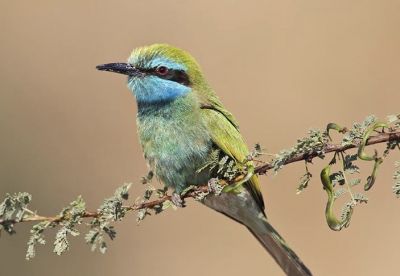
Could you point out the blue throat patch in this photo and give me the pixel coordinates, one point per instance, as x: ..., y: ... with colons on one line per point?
x: 151, y: 89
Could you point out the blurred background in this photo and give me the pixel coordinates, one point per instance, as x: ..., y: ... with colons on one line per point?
x: 281, y: 67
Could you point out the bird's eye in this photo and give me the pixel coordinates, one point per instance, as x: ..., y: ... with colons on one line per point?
x: 162, y: 70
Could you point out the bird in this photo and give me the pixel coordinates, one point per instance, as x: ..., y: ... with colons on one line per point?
x: 180, y: 123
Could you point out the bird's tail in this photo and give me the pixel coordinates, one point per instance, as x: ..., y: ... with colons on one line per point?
x: 280, y: 251
x: 245, y: 210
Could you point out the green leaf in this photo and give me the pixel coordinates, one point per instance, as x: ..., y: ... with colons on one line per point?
x: 313, y: 144
x: 304, y: 180
x: 354, y: 182
x: 122, y: 193
x: 396, y: 177
x: 148, y: 192
x: 355, y: 134
x: 392, y: 118
x: 112, y: 207
x: 141, y: 214
x: 61, y: 244
x: 36, y: 238
x: 168, y: 204
x: 339, y: 192
x: 103, y: 247
x: 110, y: 210
x: 12, y: 210
x: 349, y: 166
x: 360, y: 198
x: 147, y: 179
x: 212, y: 161
x: 13, y: 206
x: 70, y: 217
x: 337, y: 178
x: 92, y: 237
x: 347, y: 212
x: 163, y: 192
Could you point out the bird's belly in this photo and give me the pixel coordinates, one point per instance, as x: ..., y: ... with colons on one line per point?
x: 175, y: 151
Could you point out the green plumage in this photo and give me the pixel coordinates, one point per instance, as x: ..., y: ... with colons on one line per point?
x: 175, y: 142
x: 180, y: 123
x: 197, y: 120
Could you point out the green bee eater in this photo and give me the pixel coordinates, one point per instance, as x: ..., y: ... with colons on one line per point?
x: 180, y: 123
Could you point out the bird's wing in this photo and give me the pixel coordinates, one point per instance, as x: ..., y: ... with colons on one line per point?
x: 225, y: 134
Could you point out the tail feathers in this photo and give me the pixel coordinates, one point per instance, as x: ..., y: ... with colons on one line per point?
x: 280, y: 251
x: 245, y: 210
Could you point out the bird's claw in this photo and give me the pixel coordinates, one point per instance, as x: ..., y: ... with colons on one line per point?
x: 177, y: 200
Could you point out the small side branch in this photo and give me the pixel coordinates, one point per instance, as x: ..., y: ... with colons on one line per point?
x: 329, y: 148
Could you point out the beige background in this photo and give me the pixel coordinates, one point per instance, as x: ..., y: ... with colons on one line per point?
x: 281, y: 67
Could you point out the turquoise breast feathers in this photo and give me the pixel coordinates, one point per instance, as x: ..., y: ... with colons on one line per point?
x: 175, y: 141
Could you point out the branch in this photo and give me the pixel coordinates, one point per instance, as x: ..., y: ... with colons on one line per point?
x: 14, y: 209
x: 96, y: 214
x: 195, y: 191
x: 328, y: 148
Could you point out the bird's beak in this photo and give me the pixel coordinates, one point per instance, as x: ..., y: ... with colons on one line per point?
x: 121, y: 68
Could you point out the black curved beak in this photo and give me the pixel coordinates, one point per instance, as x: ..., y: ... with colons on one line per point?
x: 121, y: 68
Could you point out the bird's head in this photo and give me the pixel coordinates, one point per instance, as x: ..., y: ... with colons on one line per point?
x: 158, y: 73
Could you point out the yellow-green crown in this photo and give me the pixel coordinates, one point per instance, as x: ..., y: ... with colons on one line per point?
x: 163, y: 54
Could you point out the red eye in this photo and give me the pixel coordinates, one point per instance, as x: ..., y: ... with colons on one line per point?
x: 162, y: 70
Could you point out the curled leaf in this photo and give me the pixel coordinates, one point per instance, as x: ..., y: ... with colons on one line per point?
x: 333, y: 222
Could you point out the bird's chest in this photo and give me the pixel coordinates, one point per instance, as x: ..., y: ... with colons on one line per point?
x: 175, y: 144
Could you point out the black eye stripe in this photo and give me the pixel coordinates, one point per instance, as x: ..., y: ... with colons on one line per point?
x: 178, y: 76
x: 175, y: 75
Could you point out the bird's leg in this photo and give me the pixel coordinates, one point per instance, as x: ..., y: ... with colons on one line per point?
x: 177, y: 200
x: 238, y: 184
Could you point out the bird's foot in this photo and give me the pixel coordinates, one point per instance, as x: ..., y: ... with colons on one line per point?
x: 177, y: 200
x: 214, y: 186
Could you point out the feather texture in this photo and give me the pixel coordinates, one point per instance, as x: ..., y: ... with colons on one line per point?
x: 180, y: 122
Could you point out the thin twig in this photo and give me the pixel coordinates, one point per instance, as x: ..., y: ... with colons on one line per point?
x: 262, y: 169
x: 377, y: 139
